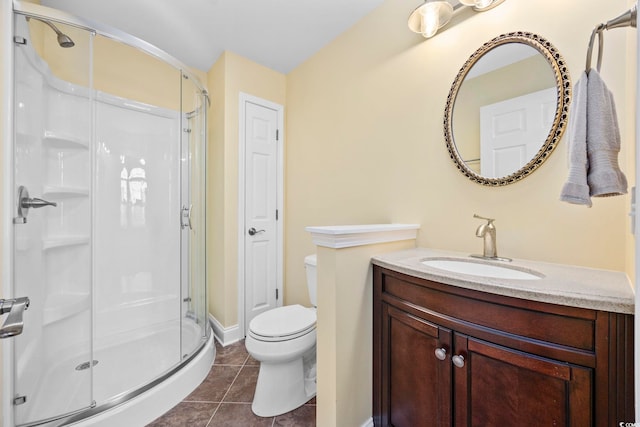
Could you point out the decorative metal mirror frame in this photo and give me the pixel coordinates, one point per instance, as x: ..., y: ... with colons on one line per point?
x: 563, y: 91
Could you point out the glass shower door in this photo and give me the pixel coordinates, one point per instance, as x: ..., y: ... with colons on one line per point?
x: 52, y: 188
x: 194, y: 307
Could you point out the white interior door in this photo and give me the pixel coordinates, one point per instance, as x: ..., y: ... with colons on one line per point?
x: 261, y: 258
x: 512, y: 131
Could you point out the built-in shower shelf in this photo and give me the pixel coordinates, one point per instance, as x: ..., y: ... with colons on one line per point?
x: 26, y: 138
x: 64, y: 192
x: 64, y: 305
x: 64, y: 141
x: 62, y: 242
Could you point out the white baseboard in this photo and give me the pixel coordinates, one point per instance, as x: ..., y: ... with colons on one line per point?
x: 225, y: 336
x: 368, y: 423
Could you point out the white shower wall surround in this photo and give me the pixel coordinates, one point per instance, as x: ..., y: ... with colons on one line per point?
x: 136, y: 208
x: 109, y: 286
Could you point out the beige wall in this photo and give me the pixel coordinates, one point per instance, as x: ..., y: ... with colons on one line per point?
x: 345, y: 310
x: 118, y: 69
x: 365, y: 145
x: 230, y: 75
x: 365, y: 140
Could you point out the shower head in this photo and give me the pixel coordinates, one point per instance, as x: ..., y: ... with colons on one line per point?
x: 63, y: 39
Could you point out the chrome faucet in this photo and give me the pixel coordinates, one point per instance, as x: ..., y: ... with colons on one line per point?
x: 488, y: 233
x: 14, y: 323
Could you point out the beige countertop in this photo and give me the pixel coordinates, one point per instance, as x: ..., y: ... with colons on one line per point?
x: 561, y: 284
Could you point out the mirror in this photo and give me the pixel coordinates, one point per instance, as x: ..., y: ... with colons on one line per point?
x: 507, y: 108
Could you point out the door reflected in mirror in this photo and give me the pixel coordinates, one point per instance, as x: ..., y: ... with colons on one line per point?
x: 507, y: 108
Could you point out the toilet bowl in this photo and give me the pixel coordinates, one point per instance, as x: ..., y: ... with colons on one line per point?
x: 283, y: 340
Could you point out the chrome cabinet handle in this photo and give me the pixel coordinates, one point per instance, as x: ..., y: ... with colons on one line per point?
x: 458, y: 361
x: 441, y: 353
x: 252, y: 231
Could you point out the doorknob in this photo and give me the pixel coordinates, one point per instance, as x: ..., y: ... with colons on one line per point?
x: 252, y: 231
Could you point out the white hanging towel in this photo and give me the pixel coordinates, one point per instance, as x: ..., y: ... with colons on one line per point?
x: 576, y: 189
x: 603, y: 141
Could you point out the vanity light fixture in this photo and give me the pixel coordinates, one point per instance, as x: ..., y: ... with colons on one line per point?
x: 432, y: 15
x: 429, y: 17
x: 481, y: 5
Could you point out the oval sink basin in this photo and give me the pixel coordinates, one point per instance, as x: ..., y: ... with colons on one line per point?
x: 479, y: 268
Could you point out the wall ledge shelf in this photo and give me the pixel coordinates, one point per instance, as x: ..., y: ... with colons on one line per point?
x: 61, y: 306
x: 346, y: 236
x: 64, y: 141
x: 63, y: 192
x: 26, y: 138
x: 63, y: 242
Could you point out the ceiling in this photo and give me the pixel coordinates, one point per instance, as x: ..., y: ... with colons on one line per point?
x: 279, y: 34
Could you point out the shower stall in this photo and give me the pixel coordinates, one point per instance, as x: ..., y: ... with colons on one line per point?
x: 104, y: 194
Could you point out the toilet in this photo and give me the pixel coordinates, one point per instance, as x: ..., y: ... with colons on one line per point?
x: 283, y: 340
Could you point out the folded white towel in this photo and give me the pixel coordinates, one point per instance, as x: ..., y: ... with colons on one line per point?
x: 576, y: 190
x: 603, y: 140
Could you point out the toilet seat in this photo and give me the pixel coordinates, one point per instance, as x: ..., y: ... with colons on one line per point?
x: 283, y: 323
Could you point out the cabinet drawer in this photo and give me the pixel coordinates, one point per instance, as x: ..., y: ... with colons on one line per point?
x: 564, y: 326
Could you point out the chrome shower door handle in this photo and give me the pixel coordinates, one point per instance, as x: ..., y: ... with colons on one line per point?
x: 186, y: 217
x: 14, y: 324
x: 252, y: 231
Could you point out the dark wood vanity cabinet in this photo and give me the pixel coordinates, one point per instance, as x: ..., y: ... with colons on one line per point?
x: 448, y: 356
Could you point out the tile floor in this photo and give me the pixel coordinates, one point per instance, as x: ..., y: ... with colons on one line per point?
x: 224, y: 397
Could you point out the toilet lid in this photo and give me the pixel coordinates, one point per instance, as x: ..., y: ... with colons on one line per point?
x: 283, y: 321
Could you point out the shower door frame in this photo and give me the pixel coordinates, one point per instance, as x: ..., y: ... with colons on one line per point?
x: 6, y: 291
x: 8, y: 11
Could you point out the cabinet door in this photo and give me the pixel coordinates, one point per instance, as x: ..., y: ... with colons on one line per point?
x: 497, y: 386
x: 416, y: 383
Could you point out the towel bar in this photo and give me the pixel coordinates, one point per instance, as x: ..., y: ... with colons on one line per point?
x: 627, y: 19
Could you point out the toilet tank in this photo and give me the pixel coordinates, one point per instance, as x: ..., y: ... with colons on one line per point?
x: 310, y: 266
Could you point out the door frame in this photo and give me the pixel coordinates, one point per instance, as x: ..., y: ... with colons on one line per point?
x: 243, y: 99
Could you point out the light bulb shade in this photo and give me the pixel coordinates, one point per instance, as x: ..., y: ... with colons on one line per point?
x: 481, y: 5
x: 427, y: 18
x: 484, y: 5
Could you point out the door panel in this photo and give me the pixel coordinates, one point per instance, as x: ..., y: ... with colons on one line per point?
x: 52, y: 257
x: 193, y: 217
x: 261, y: 163
x: 512, y: 131
x: 415, y: 400
x: 530, y: 389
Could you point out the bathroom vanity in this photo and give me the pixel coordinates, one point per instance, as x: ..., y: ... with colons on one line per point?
x: 451, y: 348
